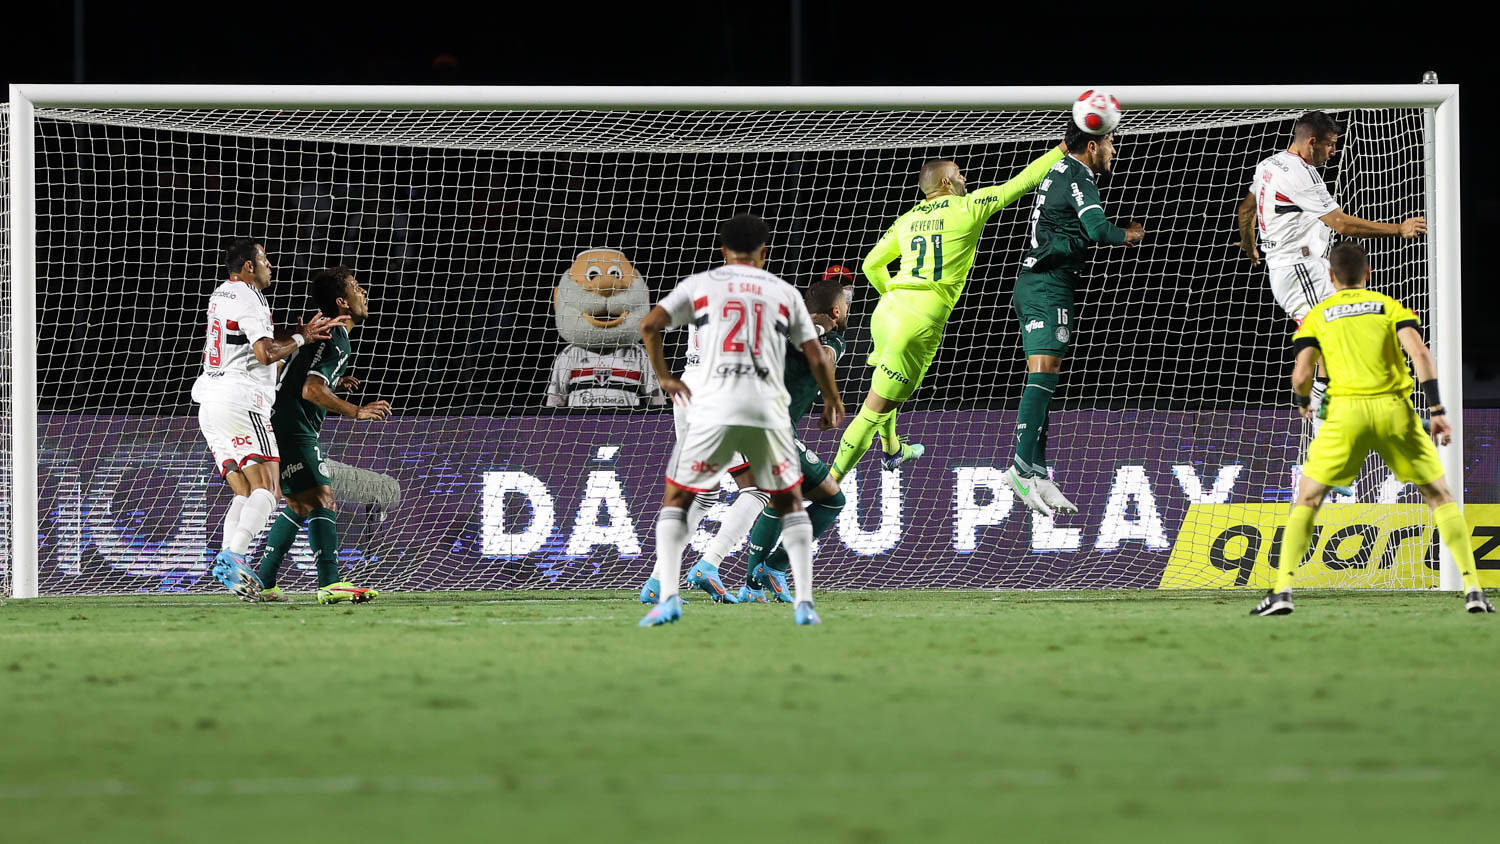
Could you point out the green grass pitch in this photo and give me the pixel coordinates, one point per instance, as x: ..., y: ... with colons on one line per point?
x: 906, y: 717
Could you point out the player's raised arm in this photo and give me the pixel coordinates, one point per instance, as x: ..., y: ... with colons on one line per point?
x: 316, y: 391
x: 1426, y: 369
x: 986, y: 201
x: 877, y: 262
x: 657, y: 321
x: 1352, y: 226
x: 1245, y: 215
x: 287, y: 341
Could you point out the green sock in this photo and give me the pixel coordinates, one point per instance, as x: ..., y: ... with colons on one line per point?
x: 857, y: 438
x: 1455, y: 531
x: 1294, y: 545
x: 322, y: 530
x: 763, y: 536
x: 278, y: 542
x: 890, y: 443
x: 822, y: 514
x: 1041, y: 445
x: 1031, y: 422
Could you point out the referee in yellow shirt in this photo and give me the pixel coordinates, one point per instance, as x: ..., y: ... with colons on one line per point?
x: 1360, y: 335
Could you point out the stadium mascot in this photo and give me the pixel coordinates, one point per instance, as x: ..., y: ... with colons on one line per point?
x: 599, y: 303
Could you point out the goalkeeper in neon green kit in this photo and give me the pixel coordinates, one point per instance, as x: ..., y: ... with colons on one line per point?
x: 935, y: 241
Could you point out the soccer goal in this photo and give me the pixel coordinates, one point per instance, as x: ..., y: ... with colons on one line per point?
x: 527, y: 445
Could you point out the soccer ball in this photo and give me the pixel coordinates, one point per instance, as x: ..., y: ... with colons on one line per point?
x: 1096, y: 112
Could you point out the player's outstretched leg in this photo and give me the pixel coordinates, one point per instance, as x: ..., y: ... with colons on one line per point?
x: 894, y: 450
x: 1295, y: 540
x: 671, y: 539
x: 1454, y: 530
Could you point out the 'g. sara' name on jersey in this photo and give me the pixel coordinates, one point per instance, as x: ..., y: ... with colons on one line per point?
x: 743, y: 318
x: 1290, y: 200
x: 232, y: 376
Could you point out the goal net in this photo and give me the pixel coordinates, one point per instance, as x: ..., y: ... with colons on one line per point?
x: 527, y: 445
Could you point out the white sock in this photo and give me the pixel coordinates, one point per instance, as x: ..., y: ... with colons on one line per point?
x: 1319, y: 389
x: 253, y: 514
x: 702, y: 503
x: 671, y: 538
x: 797, y: 539
x: 232, y: 518
x: 736, y: 524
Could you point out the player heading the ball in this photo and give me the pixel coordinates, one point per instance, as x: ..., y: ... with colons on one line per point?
x: 745, y: 318
x: 1067, y: 221
x: 1360, y: 335
x: 935, y: 241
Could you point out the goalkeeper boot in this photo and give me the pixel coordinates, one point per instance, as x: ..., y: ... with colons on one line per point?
x: 651, y: 591
x: 774, y: 580
x: 235, y: 573
x: 908, y: 452
x: 274, y: 595
x: 805, y: 614
x: 666, y: 612
x: 1275, y: 603
x: 1026, y: 489
x: 1052, y: 496
x: 752, y: 596
x: 1476, y: 602
x: 335, y: 593
x: 705, y: 575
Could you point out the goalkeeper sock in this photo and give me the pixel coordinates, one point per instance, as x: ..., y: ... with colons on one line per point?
x: 671, y: 538
x: 764, y: 535
x: 857, y: 438
x: 232, y: 518
x: 253, y: 514
x: 797, y: 538
x: 735, y: 524
x: 323, y: 533
x: 821, y: 514
x: 1031, y: 420
x: 1455, y: 530
x: 283, y: 534
x: 890, y: 443
x: 1294, y: 542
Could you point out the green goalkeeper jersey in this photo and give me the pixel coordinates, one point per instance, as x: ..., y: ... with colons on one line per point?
x: 936, y: 240
x: 325, y: 359
x: 1068, y: 219
x: 800, y: 382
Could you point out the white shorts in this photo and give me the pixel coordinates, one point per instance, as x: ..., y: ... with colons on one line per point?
x: 704, y: 452
x: 737, y: 462
x: 1299, y: 287
x: 237, y: 436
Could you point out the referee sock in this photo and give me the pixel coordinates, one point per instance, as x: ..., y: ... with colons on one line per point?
x: 253, y: 514
x: 283, y: 534
x: 671, y: 538
x: 1455, y: 531
x: 857, y: 438
x: 1031, y: 420
x: 323, y: 534
x: 232, y: 518
x: 1294, y: 542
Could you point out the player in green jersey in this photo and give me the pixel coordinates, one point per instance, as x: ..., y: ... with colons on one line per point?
x: 304, y: 398
x: 767, y: 568
x: 935, y: 241
x: 1067, y: 221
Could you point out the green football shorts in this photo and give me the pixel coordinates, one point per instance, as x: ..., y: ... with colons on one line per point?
x: 302, y: 466
x: 1044, y: 310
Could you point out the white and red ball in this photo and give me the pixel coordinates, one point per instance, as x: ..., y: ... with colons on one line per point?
x: 1096, y: 112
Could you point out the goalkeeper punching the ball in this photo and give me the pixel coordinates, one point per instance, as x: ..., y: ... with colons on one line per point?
x: 935, y: 241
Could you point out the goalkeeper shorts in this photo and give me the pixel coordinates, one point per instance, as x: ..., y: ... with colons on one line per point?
x: 1357, y: 425
x: 905, y: 344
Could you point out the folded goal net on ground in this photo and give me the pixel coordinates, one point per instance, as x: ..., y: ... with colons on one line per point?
x: 527, y: 445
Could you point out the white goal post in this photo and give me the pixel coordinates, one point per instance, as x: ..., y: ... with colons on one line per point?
x: 27, y: 104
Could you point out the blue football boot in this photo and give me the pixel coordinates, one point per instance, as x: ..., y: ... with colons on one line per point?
x: 234, y: 572
x: 665, y: 612
x: 650, y: 591
x: 805, y: 614
x: 705, y: 575
x: 773, y: 579
x: 751, y: 596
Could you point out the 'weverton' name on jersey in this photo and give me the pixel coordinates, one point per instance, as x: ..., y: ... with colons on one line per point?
x: 1290, y: 200
x: 232, y: 377
x: 743, y: 318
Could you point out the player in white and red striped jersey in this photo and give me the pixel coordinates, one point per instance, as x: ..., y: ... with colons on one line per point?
x: 235, y: 394
x: 744, y: 318
x: 1291, y: 215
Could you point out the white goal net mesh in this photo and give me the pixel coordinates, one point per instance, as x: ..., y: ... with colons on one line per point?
x: 1171, y: 423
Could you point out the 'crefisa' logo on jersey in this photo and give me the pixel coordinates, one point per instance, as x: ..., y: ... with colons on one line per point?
x: 1034, y: 325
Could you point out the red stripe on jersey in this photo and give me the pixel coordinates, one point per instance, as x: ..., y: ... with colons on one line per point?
x: 1281, y: 197
x: 232, y: 325
x: 628, y: 374
x: 700, y: 302
x: 782, y: 309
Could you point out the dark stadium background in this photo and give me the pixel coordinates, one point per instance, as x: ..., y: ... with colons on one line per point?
x: 766, y: 43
